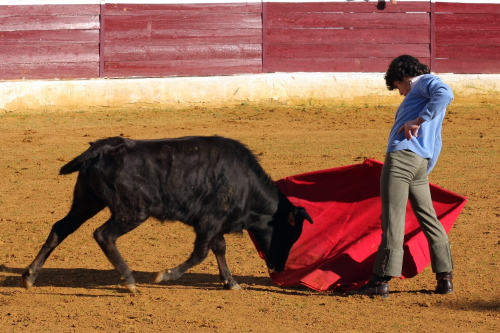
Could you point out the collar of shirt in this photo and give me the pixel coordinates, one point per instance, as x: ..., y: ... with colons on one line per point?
x: 415, y: 80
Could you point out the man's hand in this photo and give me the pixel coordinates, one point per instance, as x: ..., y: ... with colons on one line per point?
x: 411, y: 128
x: 394, y: 1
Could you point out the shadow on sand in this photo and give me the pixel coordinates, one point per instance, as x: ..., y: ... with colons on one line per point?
x: 109, y: 279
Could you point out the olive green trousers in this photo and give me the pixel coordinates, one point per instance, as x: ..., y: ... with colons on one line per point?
x: 404, y: 176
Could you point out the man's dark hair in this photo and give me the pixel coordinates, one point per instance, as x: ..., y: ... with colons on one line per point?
x: 404, y: 65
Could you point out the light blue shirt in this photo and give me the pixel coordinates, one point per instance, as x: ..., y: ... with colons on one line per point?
x: 428, y: 98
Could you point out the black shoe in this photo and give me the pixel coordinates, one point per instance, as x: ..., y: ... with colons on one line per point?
x: 444, y: 283
x: 377, y: 286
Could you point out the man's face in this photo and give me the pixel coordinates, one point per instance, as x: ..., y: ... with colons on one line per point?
x: 404, y: 86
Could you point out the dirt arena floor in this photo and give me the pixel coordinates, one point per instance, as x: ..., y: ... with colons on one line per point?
x: 78, y: 290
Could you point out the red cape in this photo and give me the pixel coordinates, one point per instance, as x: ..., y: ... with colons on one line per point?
x: 338, y: 250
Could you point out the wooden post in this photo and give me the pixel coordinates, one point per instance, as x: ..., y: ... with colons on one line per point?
x: 264, y: 37
x: 433, y: 35
x: 101, y: 38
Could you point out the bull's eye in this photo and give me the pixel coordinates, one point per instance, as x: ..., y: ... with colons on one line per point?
x: 291, y: 220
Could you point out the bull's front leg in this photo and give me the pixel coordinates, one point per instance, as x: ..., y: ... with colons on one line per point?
x: 219, y: 249
x: 200, y: 253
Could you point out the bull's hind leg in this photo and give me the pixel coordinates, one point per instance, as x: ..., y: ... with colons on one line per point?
x: 106, y: 237
x: 201, y: 247
x: 85, y: 205
x: 219, y: 249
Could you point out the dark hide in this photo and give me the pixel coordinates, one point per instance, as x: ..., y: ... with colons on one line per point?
x: 213, y: 184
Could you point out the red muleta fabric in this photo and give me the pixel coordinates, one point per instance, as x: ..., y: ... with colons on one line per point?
x: 338, y: 250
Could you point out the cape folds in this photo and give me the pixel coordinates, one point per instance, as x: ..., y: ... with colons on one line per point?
x: 338, y: 250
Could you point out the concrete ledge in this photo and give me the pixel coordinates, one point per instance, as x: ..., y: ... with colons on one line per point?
x: 281, y: 88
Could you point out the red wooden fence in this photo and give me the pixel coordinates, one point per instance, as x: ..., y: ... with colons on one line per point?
x: 49, y: 42
x: 183, y: 39
x: 154, y: 40
x: 467, y: 38
x: 343, y: 36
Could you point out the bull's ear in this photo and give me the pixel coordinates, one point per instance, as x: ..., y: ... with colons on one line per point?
x: 291, y: 219
x: 301, y: 214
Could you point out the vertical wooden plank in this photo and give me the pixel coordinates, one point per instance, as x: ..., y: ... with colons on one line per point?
x: 433, y: 36
x: 264, y: 36
x: 102, y: 39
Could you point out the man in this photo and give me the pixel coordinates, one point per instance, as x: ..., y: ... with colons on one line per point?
x: 413, y: 150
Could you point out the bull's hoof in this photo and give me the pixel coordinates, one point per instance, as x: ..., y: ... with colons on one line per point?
x: 168, y: 275
x: 234, y: 286
x: 131, y: 287
x: 230, y: 284
x: 26, y: 284
x: 159, y: 277
x: 26, y: 279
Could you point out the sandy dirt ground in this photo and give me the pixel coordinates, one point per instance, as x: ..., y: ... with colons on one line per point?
x: 79, y: 291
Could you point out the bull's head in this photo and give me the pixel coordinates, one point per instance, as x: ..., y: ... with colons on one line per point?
x: 284, y: 230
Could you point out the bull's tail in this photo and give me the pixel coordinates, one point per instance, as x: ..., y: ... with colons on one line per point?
x: 77, y: 163
x: 95, y: 150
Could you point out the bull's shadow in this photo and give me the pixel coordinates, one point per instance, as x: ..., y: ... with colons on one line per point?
x: 109, y: 279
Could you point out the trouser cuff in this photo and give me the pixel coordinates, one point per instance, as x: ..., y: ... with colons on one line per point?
x: 389, y: 263
x: 442, y: 260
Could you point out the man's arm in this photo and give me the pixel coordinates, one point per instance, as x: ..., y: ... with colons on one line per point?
x: 440, y: 96
x: 411, y: 128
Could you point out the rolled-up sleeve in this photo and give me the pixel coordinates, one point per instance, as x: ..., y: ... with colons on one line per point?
x: 440, y: 95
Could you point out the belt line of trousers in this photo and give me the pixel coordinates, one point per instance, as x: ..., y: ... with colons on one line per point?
x: 404, y: 176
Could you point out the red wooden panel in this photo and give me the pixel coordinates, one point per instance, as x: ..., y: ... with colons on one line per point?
x: 466, y: 66
x: 46, y: 36
x: 469, y: 52
x: 332, y: 65
x: 51, y: 52
x: 183, y: 68
x: 31, y: 10
x: 372, y: 35
x: 467, y: 22
x: 182, y: 9
x: 347, y: 20
x: 328, y: 36
x: 347, y: 7
x: 184, y: 37
x: 48, y: 71
x: 15, y: 23
x: 351, y: 50
x: 452, y: 7
x: 186, y: 52
x: 468, y: 37
x: 161, y: 22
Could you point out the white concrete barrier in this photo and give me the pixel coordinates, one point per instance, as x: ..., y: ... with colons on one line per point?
x: 282, y: 88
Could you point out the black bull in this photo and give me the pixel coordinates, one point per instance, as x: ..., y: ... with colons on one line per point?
x: 214, y: 184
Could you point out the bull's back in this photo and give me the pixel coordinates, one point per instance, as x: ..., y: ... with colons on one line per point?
x: 214, y: 177
x: 187, y: 179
